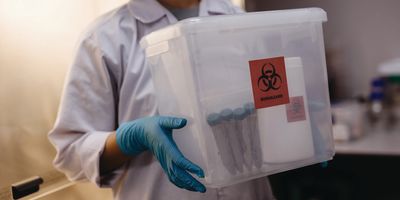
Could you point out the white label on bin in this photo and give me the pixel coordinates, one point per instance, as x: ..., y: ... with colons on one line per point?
x: 157, y: 49
x: 269, y: 82
x: 295, y: 110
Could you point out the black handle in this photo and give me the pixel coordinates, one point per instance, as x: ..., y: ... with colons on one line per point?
x: 26, y: 187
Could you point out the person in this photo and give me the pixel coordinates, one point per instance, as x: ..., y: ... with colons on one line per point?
x: 107, y: 130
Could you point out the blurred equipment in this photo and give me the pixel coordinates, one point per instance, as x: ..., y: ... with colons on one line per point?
x: 384, y: 105
x: 348, y: 120
x: 376, y: 97
x: 390, y: 71
x: 392, y: 94
x: 390, y: 68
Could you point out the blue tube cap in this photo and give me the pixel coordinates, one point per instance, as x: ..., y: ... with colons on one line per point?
x: 239, y: 113
x: 249, y: 107
x: 213, y: 119
x: 226, y: 114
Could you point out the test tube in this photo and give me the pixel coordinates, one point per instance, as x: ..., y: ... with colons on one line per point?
x: 252, y: 124
x: 224, y: 149
x: 239, y: 114
x: 232, y: 136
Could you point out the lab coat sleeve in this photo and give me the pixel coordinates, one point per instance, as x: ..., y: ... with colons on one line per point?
x: 237, y: 9
x: 232, y: 9
x: 87, y: 116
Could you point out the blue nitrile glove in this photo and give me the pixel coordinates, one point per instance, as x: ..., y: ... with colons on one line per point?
x: 324, y: 164
x: 155, y: 134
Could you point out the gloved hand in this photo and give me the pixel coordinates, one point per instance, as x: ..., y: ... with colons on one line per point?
x: 155, y: 134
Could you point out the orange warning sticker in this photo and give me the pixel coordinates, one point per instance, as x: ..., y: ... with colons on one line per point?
x: 269, y: 82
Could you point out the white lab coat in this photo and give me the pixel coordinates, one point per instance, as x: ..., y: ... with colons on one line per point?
x: 108, y: 84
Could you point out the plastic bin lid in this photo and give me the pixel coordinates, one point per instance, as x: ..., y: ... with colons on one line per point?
x: 237, y: 21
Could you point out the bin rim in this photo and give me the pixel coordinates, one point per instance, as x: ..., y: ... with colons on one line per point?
x: 235, y: 21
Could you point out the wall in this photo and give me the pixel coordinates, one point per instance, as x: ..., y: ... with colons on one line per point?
x: 37, y: 41
x: 359, y: 35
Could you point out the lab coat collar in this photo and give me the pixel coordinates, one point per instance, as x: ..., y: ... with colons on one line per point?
x: 213, y: 7
x: 149, y: 11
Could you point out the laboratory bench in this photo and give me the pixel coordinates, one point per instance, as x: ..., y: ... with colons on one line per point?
x: 378, y: 143
x: 366, y: 168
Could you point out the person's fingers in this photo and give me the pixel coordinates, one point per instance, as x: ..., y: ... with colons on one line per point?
x: 170, y: 169
x: 189, y: 182
x: 183, y: 185
x: 188, y: 165
x: 172, y: 122
x: 179, y: 159
x: 177, y: 182
x: 175, y: 165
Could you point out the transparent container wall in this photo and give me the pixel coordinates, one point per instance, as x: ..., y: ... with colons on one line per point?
x: 205, y: 77
x: 223, y: 84
x: 176, y: 95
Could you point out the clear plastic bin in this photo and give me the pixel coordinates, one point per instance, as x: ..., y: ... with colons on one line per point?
x: 253, y: 87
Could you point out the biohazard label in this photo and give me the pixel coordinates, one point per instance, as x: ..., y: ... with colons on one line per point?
x: 269, y: 83
x: 295, y: 110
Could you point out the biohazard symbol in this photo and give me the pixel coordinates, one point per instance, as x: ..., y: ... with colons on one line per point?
x: 269, y: 79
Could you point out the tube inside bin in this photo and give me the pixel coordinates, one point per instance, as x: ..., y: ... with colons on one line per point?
x: 224, y: 148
